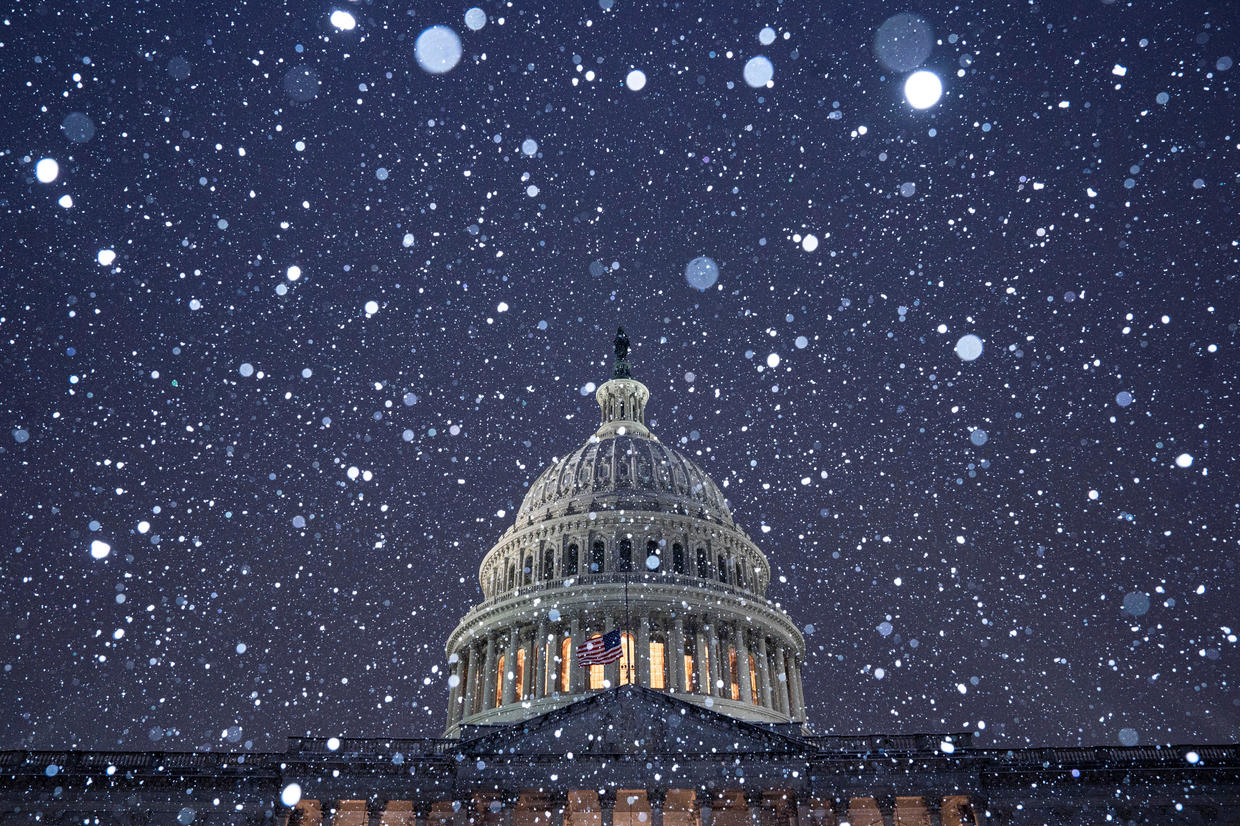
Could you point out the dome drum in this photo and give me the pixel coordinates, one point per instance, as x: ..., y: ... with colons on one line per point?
x: 624, y: 542
x: 514, y: 657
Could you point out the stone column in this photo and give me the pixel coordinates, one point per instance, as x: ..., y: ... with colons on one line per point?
x: 764, y: 672
x: 539, y: 669
x: 754, y: 798
x: 528, y: 679
x: 488, y: 676
x: 742, y: 665
x: 553, y: 664
x: 712, y: 638
x: 607, y: 806
x: 510, y: 668
x: 676, y: 658
x: 699, y: 659
x: 469, y: 674
x: 576, y: 675
x: 643, y: 650
x: 454, y: 691
x: 374, y: 812
x: 781, y: 682
x: 794, y: 672
x: 655, y: 798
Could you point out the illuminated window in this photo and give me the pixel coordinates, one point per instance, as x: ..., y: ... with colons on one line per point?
x: 565, y: 650
x: 706, y: 666
x: 690, y: 675
x: 657, y: 666
x: 753, y: 680
x: 520, y: 676
x: 628, y: 667
x: 734, y: 678
x: 597, y: 674
x: 499, y: 683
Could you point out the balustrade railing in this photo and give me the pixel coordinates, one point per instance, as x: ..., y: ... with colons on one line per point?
x: 636, y: 578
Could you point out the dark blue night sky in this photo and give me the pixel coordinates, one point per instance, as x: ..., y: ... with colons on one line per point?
x: 289, y: 321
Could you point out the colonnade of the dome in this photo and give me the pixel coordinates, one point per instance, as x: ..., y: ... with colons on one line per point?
x: 521, y: 660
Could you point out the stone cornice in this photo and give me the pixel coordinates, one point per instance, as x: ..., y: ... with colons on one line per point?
x: 684, y: 597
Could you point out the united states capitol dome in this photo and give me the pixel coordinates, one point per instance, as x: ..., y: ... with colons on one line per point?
x: 624, y: 510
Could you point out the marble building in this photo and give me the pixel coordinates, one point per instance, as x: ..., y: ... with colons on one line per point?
x: 700, y: 723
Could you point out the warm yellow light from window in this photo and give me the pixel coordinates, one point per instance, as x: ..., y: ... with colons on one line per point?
x: 753, y: 680
x: 657, y: 666
x: 566, y: 649
x: 690, y: 675
x: 628, y: 667
x: 499, y: 683
x: 520, y: 676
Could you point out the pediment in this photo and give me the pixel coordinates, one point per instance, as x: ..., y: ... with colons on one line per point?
x: 630, y: 720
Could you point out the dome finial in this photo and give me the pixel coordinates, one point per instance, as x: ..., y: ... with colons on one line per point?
x: 623, y: 368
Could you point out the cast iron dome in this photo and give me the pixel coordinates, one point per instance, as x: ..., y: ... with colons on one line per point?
x: 624, y: 533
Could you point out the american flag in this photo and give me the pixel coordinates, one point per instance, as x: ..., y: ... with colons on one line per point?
x: 600, y: 650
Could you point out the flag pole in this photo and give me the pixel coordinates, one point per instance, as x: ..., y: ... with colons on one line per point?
x: 629, y: 631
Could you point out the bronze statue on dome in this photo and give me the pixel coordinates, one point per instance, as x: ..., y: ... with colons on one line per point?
x: 621, y: 342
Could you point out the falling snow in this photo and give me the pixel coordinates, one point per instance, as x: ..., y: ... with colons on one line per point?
x: 300, y: 298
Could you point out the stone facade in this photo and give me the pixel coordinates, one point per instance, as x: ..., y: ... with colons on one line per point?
x: 628, y: 756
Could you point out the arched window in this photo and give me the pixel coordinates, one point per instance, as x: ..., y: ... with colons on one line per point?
x: 703, y: 567
x: 653, y: 550
x: 753, y: 679
x: 570, y: 561
x: 626, y: 554
x: 548, y: 571
x: 628, y: 663
x: 723, y: 569
x: 740, y: 575
x: 598, y: 556
x: 566, y: 646
x: 527, y: 572
x: 678, y: 559
x: 658, y: 665
x: 499, y: 681
x: 512, y: 577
